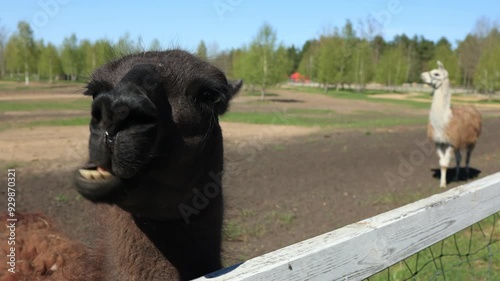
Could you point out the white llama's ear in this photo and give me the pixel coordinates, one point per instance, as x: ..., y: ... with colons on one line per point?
x: 440, y: 65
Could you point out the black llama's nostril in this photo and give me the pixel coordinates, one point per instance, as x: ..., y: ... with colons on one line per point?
x: 109, y: 140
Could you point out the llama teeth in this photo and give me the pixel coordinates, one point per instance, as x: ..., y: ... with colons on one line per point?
x: 86, y: 174
x: 104, y: 174
x: 94, y: 175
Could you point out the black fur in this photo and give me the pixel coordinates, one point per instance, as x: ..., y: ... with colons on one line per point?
x: 155, y: 128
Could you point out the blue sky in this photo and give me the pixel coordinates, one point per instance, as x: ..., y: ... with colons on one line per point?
x: 232, y: 23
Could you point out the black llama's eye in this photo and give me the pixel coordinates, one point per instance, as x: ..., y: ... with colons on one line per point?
x: 436, y: 74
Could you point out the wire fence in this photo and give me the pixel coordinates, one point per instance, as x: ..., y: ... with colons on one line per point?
x: 471, y: 254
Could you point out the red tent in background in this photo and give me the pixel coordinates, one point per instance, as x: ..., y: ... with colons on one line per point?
x: 297, y: 77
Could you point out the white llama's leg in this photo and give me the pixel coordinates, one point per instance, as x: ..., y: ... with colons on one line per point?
x: 458, y: 159
x: 445, y: 153
x: 440, y: 150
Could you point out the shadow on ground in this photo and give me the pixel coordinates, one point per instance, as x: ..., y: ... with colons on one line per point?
x: 286, y: 100
x: 451, y: 174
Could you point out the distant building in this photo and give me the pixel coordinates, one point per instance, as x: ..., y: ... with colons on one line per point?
x: 297, y: 77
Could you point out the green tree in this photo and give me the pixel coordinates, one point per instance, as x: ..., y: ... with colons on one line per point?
x: 13, y: 64
x: 363, y: 67
x: 88, y: 57
x: 393, y: 67
x: 201, y: 50
x: 223, y: 60
x: 155, y: 45
x: 294, y: 57
x: 71, y: 57
x: 283, y: 65
x: 444, y: 53
x: 238, y: 64
x: 49, y: 64
x: 346, y: 70
x: 330, y: 64
x: 39, y: 46
x: 487, y: 74
x: 423, y: 61
x: 3, y: 38
x: 263, y: 55
x: 337, y: 57
x: 93, y: 55
x: 262, y: 48
x: 126, y: 45
x: 469, y: 51
x: 378, y: 45
x: 21, y: 51
x: 414, y: 52
x: 103, y: 52
x: 244, y: 67
x: 309, y: 55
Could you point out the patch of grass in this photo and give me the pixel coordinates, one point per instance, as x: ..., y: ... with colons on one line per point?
x: 258, y: 94
x: 363, y: 95
x: 384, y: 199
x: 310, y: 111
x: 286, y: 219
x: 279, y: 147
x: 247, y: 213
x: 391, y: 198
x: 408, y: 103
x: 13, y: 165
x: 426, y: 96
x: 321, y: 90
x: 233, y: 230
x: 30, y: 105
x: 76, y: 121
x: 283, y: 218
x: 61, y: 198
x: 18, y: 85
x: 258, y: 102
x: 457, y: 99
x: 374, y: 120
x: 492, y: 101
x: 249, y: 224
x: 472, y: 254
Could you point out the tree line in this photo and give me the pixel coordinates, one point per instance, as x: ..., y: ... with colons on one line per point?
x: 74, y: 60
x: 351, y: 56
x: 345, y: 56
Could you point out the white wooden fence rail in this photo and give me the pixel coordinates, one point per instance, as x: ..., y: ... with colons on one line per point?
x: 364, y: 248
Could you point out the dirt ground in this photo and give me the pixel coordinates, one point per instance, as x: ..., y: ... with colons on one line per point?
x: 282, y: 184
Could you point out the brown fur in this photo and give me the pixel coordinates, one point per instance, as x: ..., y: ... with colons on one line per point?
x: 44, y: 252
x: 464, y: 127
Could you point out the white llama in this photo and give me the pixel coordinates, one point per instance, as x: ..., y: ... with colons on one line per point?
x: 451, y: 128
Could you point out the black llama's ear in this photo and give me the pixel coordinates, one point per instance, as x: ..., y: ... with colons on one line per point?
x: 95, y: 87
x: 235, y: 86
x: 214, y: 97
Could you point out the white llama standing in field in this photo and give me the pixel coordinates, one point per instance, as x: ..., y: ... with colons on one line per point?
x: 451, y: 128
